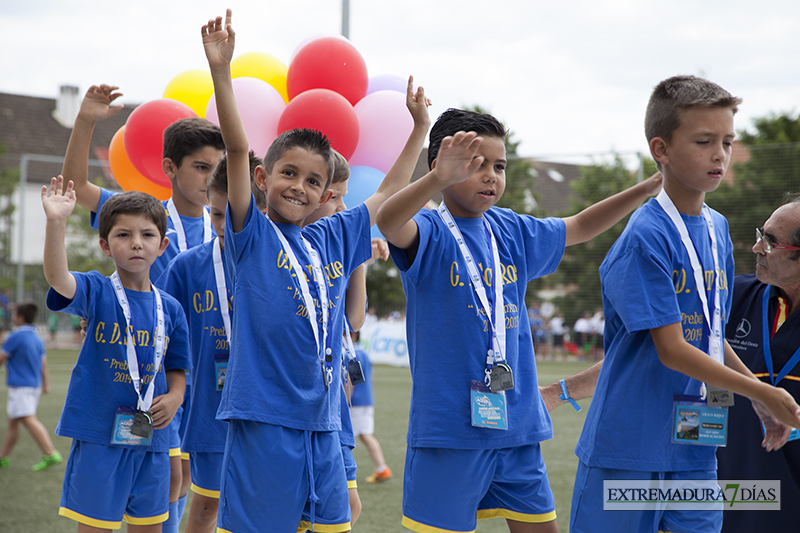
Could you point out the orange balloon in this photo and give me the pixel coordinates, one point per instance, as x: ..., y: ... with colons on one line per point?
x: 128, y: 178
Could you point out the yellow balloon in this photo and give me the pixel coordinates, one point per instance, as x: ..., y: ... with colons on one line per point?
x: 264, y: 67
x: 193, y: 88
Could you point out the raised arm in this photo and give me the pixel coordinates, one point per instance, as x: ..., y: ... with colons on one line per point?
x: 58, y: 205
x: 96, y: 106
x: 455, y: 163
x: 218, y: 42
x: 402, y: 169
x: 601, y: 216
x: 677, y: 354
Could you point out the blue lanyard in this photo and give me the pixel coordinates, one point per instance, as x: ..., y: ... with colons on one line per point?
x: 765, y: 334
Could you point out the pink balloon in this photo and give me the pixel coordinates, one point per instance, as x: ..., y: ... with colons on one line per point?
x: 260, y: 106
x: 384, y: 125
x: 387, y: 82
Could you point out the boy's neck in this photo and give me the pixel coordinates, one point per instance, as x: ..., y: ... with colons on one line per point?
x: 185, y: 207
x: 278, y: 218
x: 135, y: 281
x: 687, y: 201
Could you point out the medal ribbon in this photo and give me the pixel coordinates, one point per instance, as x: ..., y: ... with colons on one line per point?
x: 498, y: 337
x: 178, y: 225
x: 307, y: 298
x: 222, y: 290
x: 791, y: 363
x: 144, y: 402
x: 714, y: 322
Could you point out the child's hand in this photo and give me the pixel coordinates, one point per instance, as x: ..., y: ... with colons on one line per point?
x: 96, y: 105
x: 58, y: 205
x: 418, y: 104
x: 164, y: 408
x: 654, y: 184
x: 456, y: 160
x: 380, y: 250
x: 776, y: 433
x: 218, y: 40
x: 782, y: 410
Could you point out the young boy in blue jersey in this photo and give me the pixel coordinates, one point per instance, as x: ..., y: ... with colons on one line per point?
x: 666, y: 285
x: 129, y: 379
x: 282, y: 390
x: 27, y: 377
x: 200, y: 281
x: 192, y: 148
x: 476, y: 414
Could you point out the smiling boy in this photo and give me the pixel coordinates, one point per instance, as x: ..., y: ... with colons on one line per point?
x: 473, y: 433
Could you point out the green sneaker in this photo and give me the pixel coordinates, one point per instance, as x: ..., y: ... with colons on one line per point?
x: 4, y: 462
x: 47, y: 461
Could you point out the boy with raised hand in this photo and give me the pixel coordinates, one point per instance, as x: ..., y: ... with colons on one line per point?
x: 201, y: 282
x: 476, y: 414
x: 666, y: 286
x: 130, y: 375
x: 282, y: 388
x: 27, y: 378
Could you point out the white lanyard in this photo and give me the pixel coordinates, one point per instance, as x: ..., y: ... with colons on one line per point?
x: 309, y: 300
x: 178, y: 225
x: 715, y: 327
x: 222, y: 290
x: 349, y: 347
x: 145, y: 402
x: 498, y: 333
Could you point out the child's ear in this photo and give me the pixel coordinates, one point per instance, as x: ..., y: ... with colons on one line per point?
x: 433, y: 164
x: 659, y: 148
x: 105, y: 247
x: 163, y: 245
x: 260, y: 177
x: 325, y: 197
x: 170, y: 168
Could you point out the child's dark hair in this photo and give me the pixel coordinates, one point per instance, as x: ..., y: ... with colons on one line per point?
x: 188, y: 135
x: 218, y: 180
x: 312, y: 140
x: 131, y: 203
x: 454, y: 120
x: 676, y: 94
x: 27, y: 310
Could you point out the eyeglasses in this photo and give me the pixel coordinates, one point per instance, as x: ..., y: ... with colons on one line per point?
x: 768, y: 246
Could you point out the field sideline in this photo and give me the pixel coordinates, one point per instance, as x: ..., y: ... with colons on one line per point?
x: 29, y: 501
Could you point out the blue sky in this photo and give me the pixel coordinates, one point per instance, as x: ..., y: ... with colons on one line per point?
x: 567, y: 77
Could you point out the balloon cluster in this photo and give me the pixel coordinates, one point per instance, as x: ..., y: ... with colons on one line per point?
x: 325, y: 87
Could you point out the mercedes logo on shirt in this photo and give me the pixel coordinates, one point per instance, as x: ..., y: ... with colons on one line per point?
x: 743, y: 329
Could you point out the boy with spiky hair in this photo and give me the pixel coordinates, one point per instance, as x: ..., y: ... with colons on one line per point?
x: 666, y: 286
x: 476, y: 415
x: 129, y: 379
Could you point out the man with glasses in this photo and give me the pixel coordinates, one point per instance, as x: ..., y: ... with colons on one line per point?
x: 769, y: 344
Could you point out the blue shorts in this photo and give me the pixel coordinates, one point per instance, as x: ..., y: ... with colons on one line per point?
x: 448, y: 490
x: 206, y: 472
x: 104, y: 485
x: 587, y: 514
x: 265, y: 480
x: 349, y: 466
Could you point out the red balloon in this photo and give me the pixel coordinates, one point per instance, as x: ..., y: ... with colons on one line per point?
x: 328, y: 63
x: 325, y: 111
x: 144, y: 135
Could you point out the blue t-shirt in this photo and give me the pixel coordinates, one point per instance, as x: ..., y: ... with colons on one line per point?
x: 100, y: 381
x: 194, y: 228
x: 25, y: 350
x: 648, y: 282
x: 190, y: 279
x: 362, y: 393
x: 447, y: 330
x: 274, y: 374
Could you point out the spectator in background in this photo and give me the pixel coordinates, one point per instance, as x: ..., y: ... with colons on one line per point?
x: 558, y: 329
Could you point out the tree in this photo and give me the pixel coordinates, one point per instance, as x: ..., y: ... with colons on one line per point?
x: 759, y: 184
x: 9, y: 179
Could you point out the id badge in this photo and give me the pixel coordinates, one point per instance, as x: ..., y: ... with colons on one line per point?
x: 488, y: 408
x: 694, y: 422
x: 355, y: 372
x: 716, y: 397
x: 220, y: 369
x: 501, y: 378
x: 123, y: 424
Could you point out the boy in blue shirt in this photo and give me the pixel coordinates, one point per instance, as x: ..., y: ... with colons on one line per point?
x: 129, y: 379
x: 474, y: 432
x: 282, y: 390
x: 27, y: 378
x: 666, y: 285
x: 192, y: 148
